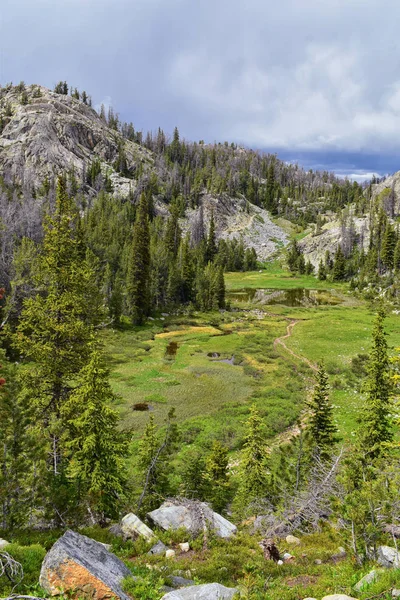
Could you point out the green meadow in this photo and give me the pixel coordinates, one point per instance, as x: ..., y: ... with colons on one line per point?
x: 211, y: 367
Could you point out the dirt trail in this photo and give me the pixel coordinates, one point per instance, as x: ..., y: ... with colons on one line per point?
x: 280, y: 341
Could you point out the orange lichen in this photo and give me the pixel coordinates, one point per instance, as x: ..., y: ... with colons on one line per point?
x: 71, y: 577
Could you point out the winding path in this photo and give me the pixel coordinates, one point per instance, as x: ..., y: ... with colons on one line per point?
x: 281, y: 342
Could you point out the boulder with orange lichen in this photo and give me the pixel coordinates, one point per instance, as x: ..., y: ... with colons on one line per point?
x: 80, y: 566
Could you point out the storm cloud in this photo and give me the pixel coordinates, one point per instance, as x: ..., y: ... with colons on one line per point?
x: 316, y: 81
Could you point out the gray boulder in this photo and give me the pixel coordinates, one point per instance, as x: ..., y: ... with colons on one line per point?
x: 388, y: 557
x: 179, y: 582
x: 133, y: 528
x: 158, y: 549
x: 208, y: 591
x: 81, y: 566
x: 190, y: 515
x: 338, y: 597
x: 3, y: 544
x: 368, y: 579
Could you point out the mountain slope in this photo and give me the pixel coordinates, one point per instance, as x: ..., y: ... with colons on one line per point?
x: 44, y: 134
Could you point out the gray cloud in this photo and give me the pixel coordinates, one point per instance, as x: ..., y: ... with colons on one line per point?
x: 293, y: 75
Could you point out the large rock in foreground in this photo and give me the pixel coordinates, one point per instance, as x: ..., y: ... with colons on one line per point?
x: 191, y: 515
x: 208, y: 591
x: 81, y: 566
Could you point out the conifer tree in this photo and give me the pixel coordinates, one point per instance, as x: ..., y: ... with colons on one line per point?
x: 216, y: 474
x: 211, y: 249
x: 320, y: 422
x: 321, y: 270
x: 376, y: 423
x: 138, y: 276
x: 339, y: 265
x: 396, y: 257
x: 193, y: 482
x: 16, y: 464
x: 388, y: 247
x: 253, y: 479
x: 55, y: 332
x: 96, y: 447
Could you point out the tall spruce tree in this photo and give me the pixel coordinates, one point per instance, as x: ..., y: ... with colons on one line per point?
x: 253, y: 478
x: 211, y: 248
x: 16, y: 456
x: 217, y: 477
x: 388, y: 247
x: 339, y: 265
x: 321, y: 425
x: 55, y: 332
x: 96, y: 447
x: 138, y: 275
x: 376, y: 422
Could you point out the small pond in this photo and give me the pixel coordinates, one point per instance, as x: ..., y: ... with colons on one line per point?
x: 285, y: 297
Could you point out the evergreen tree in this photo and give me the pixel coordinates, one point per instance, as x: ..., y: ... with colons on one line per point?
x: 193, y: 483
x: 396, y: 257
x: 293, y: 256
x: 138, y: 276
x: 96, y: 447
x: 216, y: 474
x: 339, y: 265
x: 211, y: 249
x: 16, y: 457
x: 253, y: 478
x: 321, y: 271
x: 320, y: 423
x: 388, y: 247
x: 376, y: 423
x: 55, y: 332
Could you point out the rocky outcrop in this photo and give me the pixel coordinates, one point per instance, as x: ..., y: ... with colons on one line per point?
x: 332, y: 234
x: 80, y: 566
x: 208, y: 591
x: 50, y: 133
x: 192, y: 516
x: 132, y: 528
x: 236, y: 218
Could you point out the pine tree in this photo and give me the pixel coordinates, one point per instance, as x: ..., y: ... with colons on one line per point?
x: 219, y: 288
x: 55, y: 332
x: 396, y: 257
x: 96, y: 447
x: 138, y: 276
x: 320, y: 422
x: 388, y: 247
x: 193, y: 482
x: 16, y: 457
x: 376, y: 423
x: 321, y: 271
x: 211, y: 249
x: 293, y: 256
x: 253, y: 478
x: 216, y: 474
x: 339, y: 265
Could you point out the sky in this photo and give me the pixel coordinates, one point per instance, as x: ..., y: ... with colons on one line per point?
x: 316, y: 81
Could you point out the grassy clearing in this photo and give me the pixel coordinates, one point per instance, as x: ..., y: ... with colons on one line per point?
x: 276, y: 277
x: 211, y: 397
